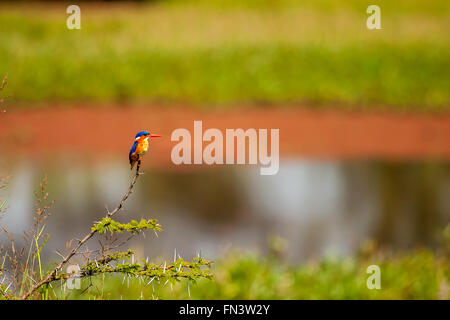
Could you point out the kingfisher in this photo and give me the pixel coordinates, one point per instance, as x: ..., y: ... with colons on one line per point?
x: 140, y: 147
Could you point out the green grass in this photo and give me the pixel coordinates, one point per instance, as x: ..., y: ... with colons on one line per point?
x: 414, y: 275
x: 226, y: 53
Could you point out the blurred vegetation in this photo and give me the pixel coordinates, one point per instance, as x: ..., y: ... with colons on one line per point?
x: 226, y: 52
x: 419, y: 274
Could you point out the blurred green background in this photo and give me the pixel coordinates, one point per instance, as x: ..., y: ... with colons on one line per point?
x: 417, y: 275
x: 227, y: 51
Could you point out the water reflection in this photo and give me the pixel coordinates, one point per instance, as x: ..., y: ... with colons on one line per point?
x: 319, y: 207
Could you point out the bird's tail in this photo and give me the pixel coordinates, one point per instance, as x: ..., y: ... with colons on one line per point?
x: 133, y: 162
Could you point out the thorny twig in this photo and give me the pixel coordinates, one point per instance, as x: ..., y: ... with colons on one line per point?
x: 50, y: 277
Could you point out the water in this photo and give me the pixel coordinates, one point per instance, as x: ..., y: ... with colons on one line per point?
x: 319, y: 207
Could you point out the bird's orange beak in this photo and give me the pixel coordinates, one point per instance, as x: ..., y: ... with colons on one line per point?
x: 155, y: 135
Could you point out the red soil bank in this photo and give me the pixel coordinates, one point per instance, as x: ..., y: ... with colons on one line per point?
x: 303, y: 133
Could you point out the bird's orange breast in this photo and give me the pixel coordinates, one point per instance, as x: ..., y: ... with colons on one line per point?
x: 142, y: 146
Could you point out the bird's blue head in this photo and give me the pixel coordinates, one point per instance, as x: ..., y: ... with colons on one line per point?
x: 142, y: 133
x: 146, y: 134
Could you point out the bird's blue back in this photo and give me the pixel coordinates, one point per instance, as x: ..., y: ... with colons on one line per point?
x: 133, y: 149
